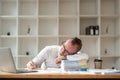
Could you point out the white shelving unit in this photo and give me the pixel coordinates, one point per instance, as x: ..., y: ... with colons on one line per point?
x: 27, y: 26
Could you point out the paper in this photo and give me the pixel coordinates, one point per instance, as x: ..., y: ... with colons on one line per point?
x: 89, y: 71
x: 68, y: 65
x: 104, y: 71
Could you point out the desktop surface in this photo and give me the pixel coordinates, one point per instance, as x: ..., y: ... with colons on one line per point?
x: 55, y: 73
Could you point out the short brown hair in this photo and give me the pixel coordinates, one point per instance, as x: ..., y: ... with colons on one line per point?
x: 77, y: 41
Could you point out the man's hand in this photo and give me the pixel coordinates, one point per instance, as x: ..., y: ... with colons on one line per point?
x: 31, y: 65
x: 59, y: 59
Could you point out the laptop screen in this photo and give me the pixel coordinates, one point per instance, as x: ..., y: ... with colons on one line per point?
x: 6, y: 60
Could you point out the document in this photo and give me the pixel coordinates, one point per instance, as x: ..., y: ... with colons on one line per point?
x: 74, y: 65
x: 69, y: 65
x: 104, y: 71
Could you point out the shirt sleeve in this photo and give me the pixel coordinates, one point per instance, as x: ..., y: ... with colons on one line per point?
x: 42, y: 56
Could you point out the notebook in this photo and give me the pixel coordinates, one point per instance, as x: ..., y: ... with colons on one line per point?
x: 7, y: 63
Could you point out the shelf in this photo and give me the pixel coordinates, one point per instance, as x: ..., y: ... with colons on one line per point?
x: 110, y: 16
x: 104, y: 56
x: 88, y: 16
x: 30, y: 25
x: 27, y: 45
x: 69, y: 24
x: 48, y: 26
x: 25, y: 56
x: 68, y: 7
x: 89, y: 36
x: 48, y: 36
x: 110, y: 60
x: 8, y: 25
x: 108, y: 26
x: 8, y: 7
x: 88, y: 7
x: 27, y: 7
x: 109, y: 7
x: 9, y: 42
x: 47, y: 41
x: 108, y: 46
x: 85, y: 22
x: 27, y: 36
x: 8, y: 36
x: 27, y: 26
x: 48, y: 7
x: 90, y: 46
x: 109, y: 56
x: 63, y: 39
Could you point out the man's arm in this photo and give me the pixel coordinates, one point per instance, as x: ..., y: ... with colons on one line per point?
x: 59, y: 59
x: 39, y: 59
x: 31, y: 65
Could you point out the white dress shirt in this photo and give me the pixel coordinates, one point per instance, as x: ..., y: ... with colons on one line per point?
x: 47, y: 55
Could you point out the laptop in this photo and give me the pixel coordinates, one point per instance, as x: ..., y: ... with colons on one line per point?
x: 7, y: 63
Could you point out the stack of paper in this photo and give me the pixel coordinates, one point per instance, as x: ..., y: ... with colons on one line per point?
x: 75, y: 62
x: 69, y: 65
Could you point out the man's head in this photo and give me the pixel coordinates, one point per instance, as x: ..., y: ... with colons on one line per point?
x: 71, y: 46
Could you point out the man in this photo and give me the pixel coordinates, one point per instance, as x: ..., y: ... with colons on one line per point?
x: 53, y: 55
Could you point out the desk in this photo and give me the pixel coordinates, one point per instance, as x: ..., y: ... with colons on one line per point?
x: 65, y: 75
x: 56, y: 73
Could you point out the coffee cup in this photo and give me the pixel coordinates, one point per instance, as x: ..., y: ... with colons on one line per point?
x: 98, y: 64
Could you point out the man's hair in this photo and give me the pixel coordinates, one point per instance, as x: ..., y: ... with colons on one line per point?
x: 78, y: 42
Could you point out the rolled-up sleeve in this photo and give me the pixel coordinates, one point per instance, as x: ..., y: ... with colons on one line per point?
x: 41, y: 57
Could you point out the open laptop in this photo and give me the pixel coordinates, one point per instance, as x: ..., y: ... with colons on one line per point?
x: 7, y: 63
